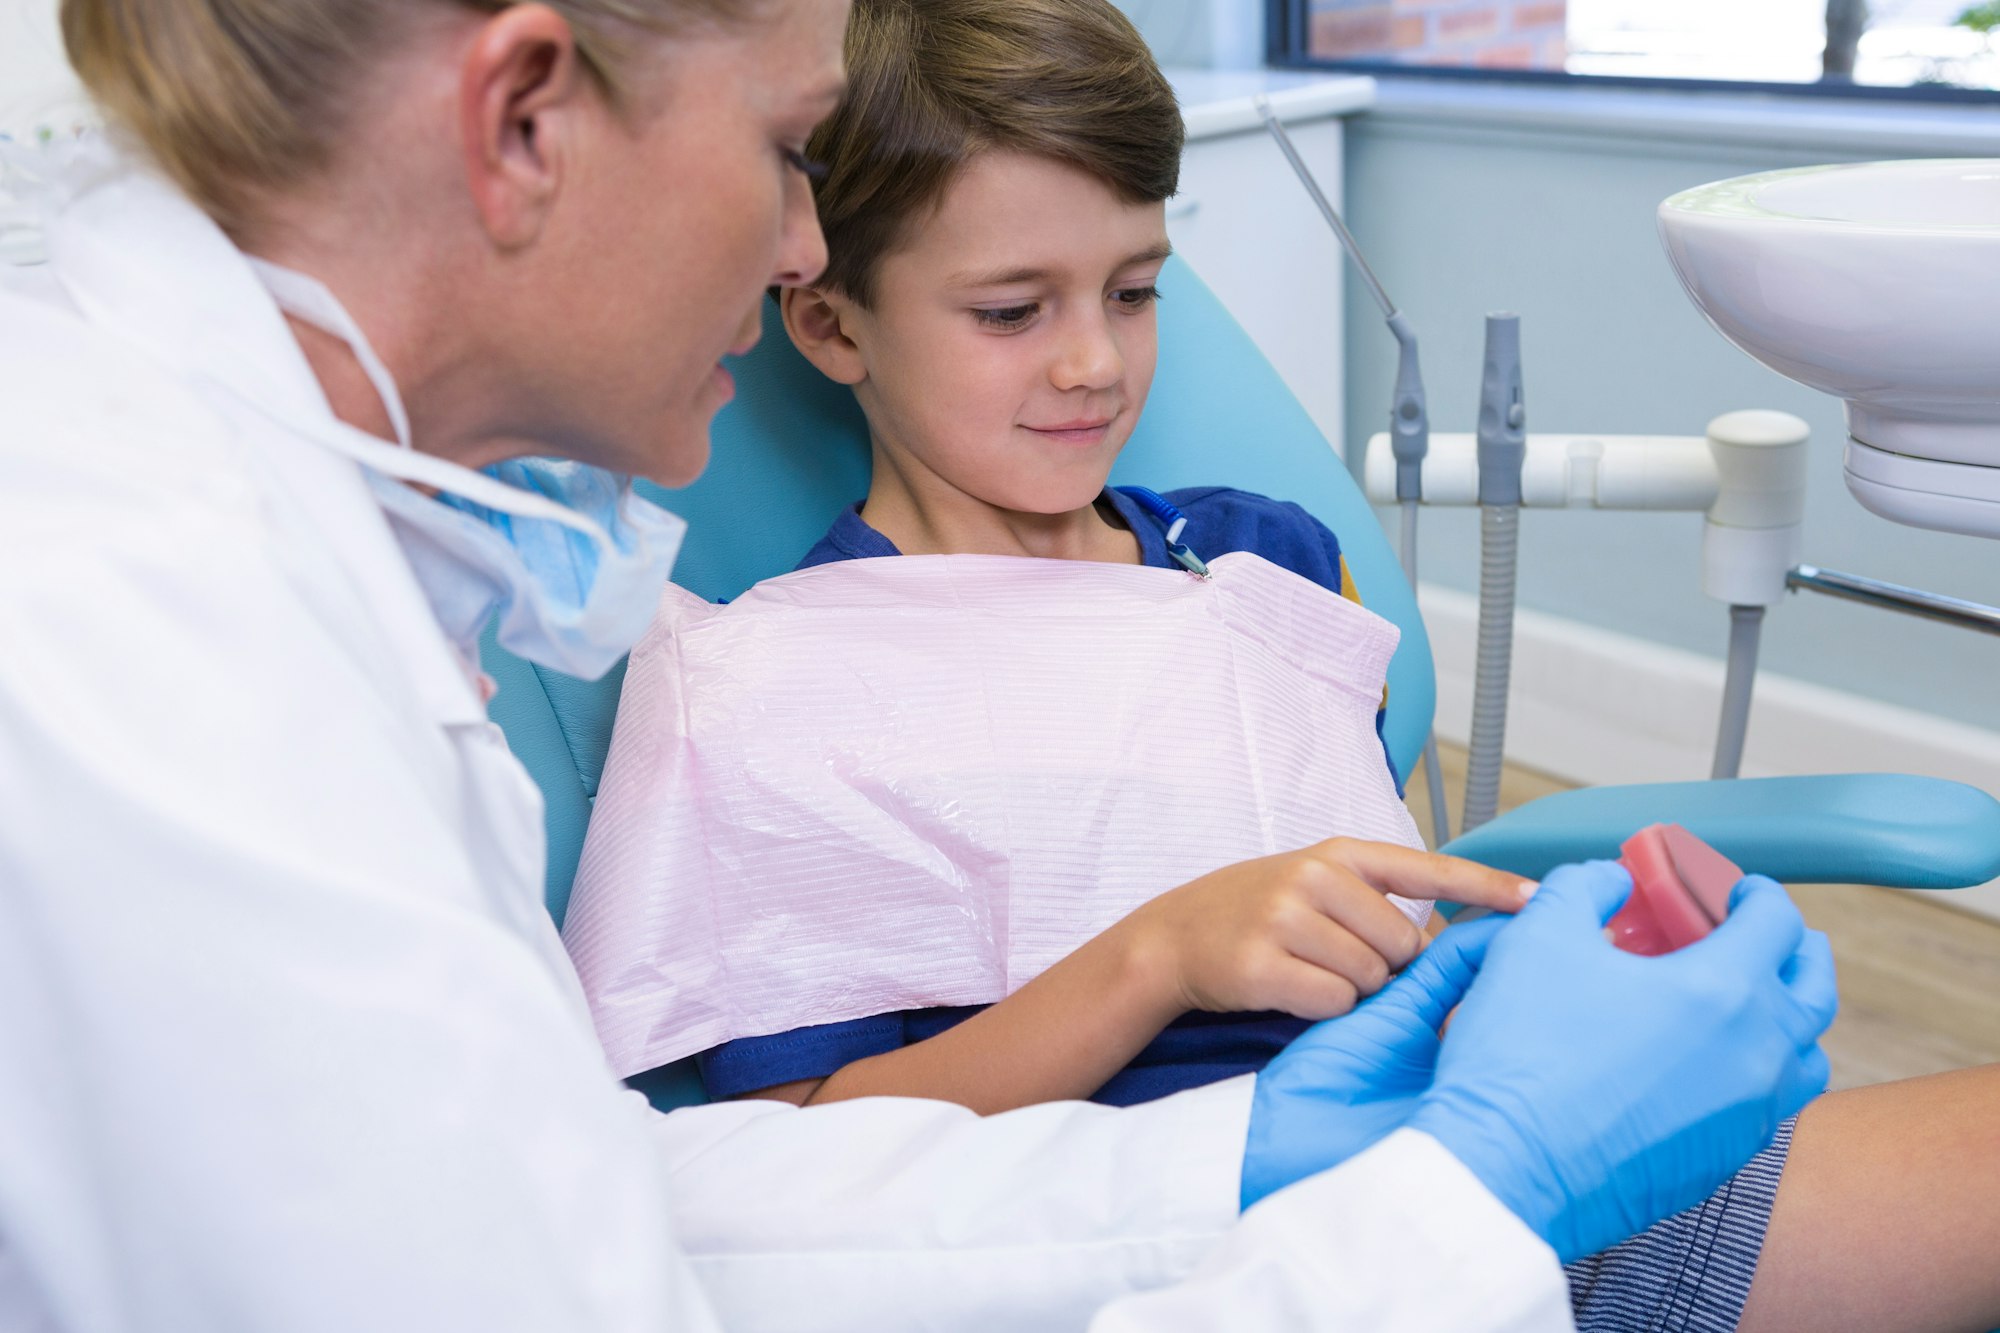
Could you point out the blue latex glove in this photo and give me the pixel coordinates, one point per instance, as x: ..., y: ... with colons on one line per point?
x: 1595, y: 1092
x: 1343, y: 1084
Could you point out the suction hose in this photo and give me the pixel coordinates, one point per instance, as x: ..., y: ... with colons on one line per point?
x: 1746, y: 624
x: 1433, y: 773
x: 1499, y: 549
x: 1748, y: 545
x: 1503, y: 443
x: 1441, y: 813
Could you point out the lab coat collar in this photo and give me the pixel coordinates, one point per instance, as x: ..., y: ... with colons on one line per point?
x: 141, y: 261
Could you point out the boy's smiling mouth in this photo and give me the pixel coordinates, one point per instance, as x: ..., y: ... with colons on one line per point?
x: 1083, y: 431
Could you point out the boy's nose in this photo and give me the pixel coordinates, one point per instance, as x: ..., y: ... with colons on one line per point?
x: 1089, y: 358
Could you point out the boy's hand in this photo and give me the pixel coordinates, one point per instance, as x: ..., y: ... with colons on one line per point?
x: 1308, y: 932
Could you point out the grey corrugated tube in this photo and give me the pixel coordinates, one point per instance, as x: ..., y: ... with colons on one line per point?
x: 1499, y: 542
x: 1503, y: 444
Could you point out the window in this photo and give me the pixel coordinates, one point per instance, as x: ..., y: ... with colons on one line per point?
x: 1940, y: 49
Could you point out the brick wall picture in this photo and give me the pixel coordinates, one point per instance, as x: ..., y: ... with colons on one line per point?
x: 1490, y: 34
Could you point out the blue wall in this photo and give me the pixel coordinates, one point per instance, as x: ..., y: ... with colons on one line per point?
x: 1462, y: 214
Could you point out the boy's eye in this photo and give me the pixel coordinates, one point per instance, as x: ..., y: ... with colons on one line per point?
x: 1008, y: 317
x: 805, y: 166
x: 1136, y: 298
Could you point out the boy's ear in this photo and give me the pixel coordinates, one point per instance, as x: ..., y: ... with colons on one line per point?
x: 813, y: 319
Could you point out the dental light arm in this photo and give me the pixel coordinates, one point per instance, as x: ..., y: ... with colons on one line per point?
x: 1747, y: 474
x: 1409, y: 418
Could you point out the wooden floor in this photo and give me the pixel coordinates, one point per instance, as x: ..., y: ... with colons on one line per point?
x: 1919, y: 981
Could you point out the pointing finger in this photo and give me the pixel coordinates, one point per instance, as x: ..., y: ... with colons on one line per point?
x: 1419, y: 874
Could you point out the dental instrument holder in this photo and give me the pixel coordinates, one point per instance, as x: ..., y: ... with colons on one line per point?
x: 1409, y: 419
x: 1503, y: 438
x: 1748, y: 474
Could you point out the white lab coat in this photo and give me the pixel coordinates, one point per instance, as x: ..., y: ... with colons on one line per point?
x: 287, y: 1041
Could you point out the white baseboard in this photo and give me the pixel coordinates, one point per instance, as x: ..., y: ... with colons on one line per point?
x: 1593, y: 707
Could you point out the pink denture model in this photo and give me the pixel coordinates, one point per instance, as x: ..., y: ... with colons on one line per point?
x: 1680, y: 890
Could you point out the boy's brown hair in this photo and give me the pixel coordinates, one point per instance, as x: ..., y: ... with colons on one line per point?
x: 933, y: 82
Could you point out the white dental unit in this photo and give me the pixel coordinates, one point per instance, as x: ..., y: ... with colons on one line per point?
x: 1857, y: 281
x: 1878, y: 283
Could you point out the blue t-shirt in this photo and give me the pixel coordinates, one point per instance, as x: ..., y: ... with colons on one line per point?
x: 1197, y: 1048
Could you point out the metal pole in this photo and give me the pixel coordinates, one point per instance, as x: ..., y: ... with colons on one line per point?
x: 1326, y: 209
x: 1896, y: 597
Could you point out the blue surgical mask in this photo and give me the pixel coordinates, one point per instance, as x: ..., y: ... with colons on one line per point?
x: 567, y: 558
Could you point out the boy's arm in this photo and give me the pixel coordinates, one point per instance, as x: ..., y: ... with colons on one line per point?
x: 1307, y: 932
x: 1059, y: 1038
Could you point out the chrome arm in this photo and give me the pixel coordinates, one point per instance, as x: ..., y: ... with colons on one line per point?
x: 1896, y: 597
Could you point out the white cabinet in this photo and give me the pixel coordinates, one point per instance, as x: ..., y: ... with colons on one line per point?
x: 1247, y: 226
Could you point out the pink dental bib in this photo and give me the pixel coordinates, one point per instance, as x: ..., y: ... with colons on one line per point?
x: 906, y: 782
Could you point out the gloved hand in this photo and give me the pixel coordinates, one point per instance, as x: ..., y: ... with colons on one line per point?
x: 1347, y: 1082
x: 1595, y: 1092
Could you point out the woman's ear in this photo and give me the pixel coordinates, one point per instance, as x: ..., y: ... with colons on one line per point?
x: 522, y: 95
x: 817, y: 323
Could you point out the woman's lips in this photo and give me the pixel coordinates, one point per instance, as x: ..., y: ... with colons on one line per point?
x: 719, y: 376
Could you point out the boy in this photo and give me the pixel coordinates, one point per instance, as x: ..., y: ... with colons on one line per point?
x: 994, y: 210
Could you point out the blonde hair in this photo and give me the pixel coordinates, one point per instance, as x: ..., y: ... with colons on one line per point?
x: 931, y: 83
x: 237, y: 98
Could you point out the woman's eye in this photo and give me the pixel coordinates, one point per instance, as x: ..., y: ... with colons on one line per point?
x: 805, y: 166
x: 1136, y: 298
x: 1008, y: 317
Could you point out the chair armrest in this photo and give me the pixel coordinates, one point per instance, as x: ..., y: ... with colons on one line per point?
x: 671, y: 1087
x: 523, y: 710
x: 1848, y: 828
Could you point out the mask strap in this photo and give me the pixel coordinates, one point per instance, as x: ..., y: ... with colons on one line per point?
x: 429, y: 470
x: 307, y: 298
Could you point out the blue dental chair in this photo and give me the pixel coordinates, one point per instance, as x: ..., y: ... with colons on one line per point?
x: 792, y: 450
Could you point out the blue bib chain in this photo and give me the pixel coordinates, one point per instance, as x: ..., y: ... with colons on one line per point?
x: 1171, y: 520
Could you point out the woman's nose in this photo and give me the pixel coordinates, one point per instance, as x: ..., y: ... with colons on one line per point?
x: 801, y: 245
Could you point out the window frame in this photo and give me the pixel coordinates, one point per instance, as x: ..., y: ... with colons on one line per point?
x: 1286, y: 29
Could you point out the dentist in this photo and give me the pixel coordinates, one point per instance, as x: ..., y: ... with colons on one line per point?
x: 287, y: 1041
